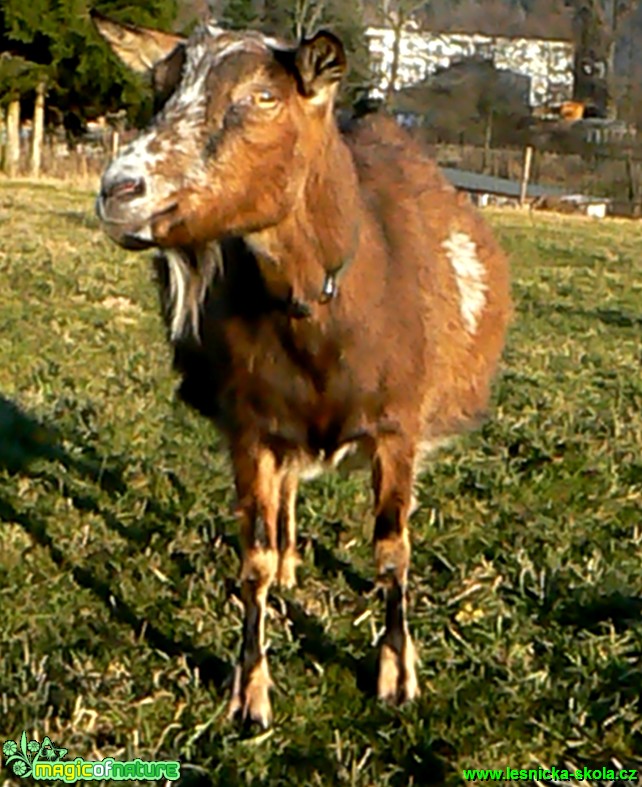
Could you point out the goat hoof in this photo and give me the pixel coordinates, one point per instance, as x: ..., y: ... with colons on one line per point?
x: 397, y: 682
x: 250, y: 702
x: 288, y: 564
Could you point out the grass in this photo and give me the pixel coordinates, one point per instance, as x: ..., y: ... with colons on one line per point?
x: 118, y: 561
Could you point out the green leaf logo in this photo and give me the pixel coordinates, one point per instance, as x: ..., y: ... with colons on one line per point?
x: 50, y: 752
x: 20, y: 756
x: 23, y: 755
x: 9, y: 748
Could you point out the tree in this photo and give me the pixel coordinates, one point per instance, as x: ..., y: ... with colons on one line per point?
x: 56, y: 38
x: 597, y: 24
x: 536, y: 18
x: 347, y: 21
x: 239, y: 14
x: 396, y: 15
x: 295, y: 19
x: 17, y: 76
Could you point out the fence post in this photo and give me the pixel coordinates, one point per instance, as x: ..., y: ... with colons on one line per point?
x: 526, y: 173
x: 488, y: 142
x: 633, y: 177
x: 13, y: 138
x: 38, y: 130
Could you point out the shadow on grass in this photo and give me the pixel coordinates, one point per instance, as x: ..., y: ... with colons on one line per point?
x: 328, y: 563
x: 314, y: 640
x: 591, y: 612
x: 213, y: 670
x: 616, y: 317
x: 586, y: 609
x: 23, y: 441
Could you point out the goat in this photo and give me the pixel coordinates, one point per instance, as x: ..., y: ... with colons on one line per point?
x: 257, y: 203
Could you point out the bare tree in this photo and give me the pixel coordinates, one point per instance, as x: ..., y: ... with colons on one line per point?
x: 617, y: 15
x: 395, y: 15
x: 596, y: 27
x: 541, y: 18
x: 549, y: 19
x: 307, y: 15
x: 190, y: 11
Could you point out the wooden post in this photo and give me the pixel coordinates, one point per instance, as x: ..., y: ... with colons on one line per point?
x: 38, y: 130
x: 488, y: 141
x: 526, y: 173
x: 13, y: 138
x: 632, y: 173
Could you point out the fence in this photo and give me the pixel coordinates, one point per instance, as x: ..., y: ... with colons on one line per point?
x: 616, y: 176
x: 609, y: 171
x: 83, y: 160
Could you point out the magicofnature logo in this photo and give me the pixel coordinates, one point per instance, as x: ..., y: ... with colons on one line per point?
x: 45, y: 761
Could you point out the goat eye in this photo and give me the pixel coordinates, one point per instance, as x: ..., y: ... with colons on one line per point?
x: 264, y: 98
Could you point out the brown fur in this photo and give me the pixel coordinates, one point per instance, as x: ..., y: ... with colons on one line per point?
x: 391, y: 353
x: 384, y: 368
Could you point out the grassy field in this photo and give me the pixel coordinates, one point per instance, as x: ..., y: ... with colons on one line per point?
x: 118, y: 559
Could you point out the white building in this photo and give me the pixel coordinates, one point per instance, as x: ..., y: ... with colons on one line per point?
x: 548, y: 64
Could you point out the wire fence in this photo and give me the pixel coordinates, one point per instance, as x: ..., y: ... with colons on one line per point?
x: 610, y: 171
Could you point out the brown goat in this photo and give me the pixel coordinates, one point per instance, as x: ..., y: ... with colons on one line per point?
x: 258, y: 201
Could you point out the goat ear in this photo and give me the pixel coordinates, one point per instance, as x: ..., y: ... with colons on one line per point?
x: 320, y: 62
x: 138, y: 47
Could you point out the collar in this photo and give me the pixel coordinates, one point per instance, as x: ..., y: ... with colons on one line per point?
x: 299, y: 309
x: 330, y: 288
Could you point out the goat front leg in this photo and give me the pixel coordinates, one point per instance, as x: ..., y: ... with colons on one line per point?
x: 289, y: 558
x: 392, y: 481
x: 258, y: 488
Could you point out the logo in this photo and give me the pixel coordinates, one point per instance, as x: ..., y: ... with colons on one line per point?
x: 45, y: 761
x: 24, y: 756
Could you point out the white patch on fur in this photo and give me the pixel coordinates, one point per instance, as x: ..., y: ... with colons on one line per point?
x: 470, y: 276
x: 178, y: 283
x: 138, y: 153
x: 212, y: 29
x: 191, y: 96
x: 346, y: 459
x: 312, y: 469
x: 242, y: 45
x: 276, y: 44
x: 188, y: 287
x: 137, y: 161
x: 134, y: 161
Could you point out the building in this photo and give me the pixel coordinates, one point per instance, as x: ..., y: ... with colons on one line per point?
x: 547, y: 64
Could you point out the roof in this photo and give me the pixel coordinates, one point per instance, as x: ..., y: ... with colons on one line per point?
x: 488, y: 184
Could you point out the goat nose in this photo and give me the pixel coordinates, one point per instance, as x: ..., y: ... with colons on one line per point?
x: 122, y: 189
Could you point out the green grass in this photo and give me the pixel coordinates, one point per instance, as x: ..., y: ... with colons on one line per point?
x: 118, y: 562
